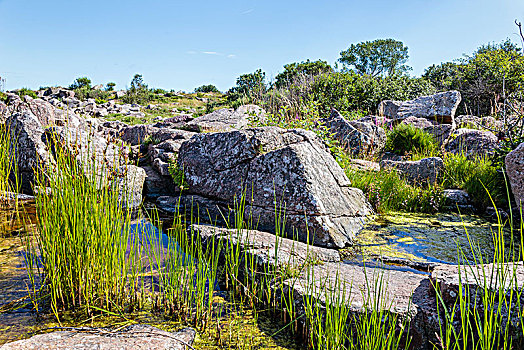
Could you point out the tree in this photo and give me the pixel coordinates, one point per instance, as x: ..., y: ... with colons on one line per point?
x: 81, y: 83
x: 110, y: 86
x: 138, y: 92
x: 248, y: 86
x: 207, y: 88
x: 306, y: 68
x: 385, y: 57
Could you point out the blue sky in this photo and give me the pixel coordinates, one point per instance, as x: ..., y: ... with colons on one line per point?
x: 183, y: 44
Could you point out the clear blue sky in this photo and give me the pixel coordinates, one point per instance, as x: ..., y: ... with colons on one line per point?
x: 183, y: 44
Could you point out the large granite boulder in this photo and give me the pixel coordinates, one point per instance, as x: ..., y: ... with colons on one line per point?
x: 291, y: 169
x: 424, y: 171
x: 228, y: 119
x: 358, y: 137
x: 515, y: 170
x: 43, y: 110
x: 129, y: 338
x: 28, y: 146
x: 440, y: 107
x: 472, y: 143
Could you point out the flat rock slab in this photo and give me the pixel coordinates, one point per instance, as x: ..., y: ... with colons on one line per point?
x: 228, y: 119
x: 267, y: 247
x: 402, y: 292
x: 129, y: 338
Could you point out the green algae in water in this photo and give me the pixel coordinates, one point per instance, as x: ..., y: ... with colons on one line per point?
x: 425, y: 237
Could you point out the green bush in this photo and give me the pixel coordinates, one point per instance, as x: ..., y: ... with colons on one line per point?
x: 207, y: 88
x: 478, y: 177
x: 405, y: 139
x: 3, y: 97
x: 177, y: 174
x: 26, y: 92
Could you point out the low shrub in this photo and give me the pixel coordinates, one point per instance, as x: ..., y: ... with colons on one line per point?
x: 405, y: 139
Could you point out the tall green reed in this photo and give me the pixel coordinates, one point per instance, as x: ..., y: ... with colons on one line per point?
x: 83, y: 235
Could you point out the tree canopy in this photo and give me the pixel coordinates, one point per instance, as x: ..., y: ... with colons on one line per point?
x: 386, y: 57
x: 308, y: 68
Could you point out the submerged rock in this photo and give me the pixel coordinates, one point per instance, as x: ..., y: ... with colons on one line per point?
x: 291, y: 170
x: 129, y: 338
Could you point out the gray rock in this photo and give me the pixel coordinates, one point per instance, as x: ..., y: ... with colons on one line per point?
x: 505, y: 279
x: 472, y: 143
x: 292, y: 167
x: 136, y: 134
x: 44, y: 111
x: 3, y: 112
x: 440, y: 132
x: 424, y: 171
x: 30, y: 149
x: 57, y: 92
x: 515, y: 170
x: 227, y: 119
x: 457, y: 200
x: 357, y: 137
x: 120, y: 94
x: 131, y: 185
x: 473, y: 122
x: 266, y: 247
x: 161, y: 166
x: 361, y: 164
x: 389, y: 108
x: 419, y: 123
x: 440, y: 107
x: 376, y: 120
x: 156, y: 185
x: 405, y: 293
x: 129, y: 338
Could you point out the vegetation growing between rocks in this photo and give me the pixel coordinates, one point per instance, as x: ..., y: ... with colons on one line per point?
x: 406, y: 139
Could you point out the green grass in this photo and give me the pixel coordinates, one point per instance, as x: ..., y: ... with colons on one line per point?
x: 406, y: 138
x: 389, y: 191
x: 478, y: 177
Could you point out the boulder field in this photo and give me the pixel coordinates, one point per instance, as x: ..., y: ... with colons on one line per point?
x: 219, y: 160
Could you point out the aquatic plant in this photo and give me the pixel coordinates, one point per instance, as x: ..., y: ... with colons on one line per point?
x: 83, y: 238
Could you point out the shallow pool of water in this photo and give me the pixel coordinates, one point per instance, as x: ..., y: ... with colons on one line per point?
x: 427, y: 238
